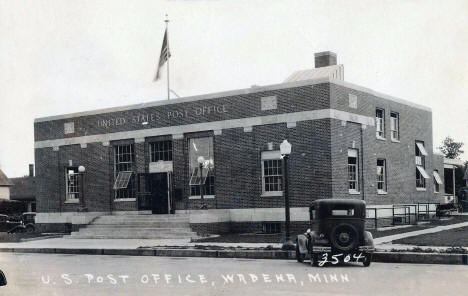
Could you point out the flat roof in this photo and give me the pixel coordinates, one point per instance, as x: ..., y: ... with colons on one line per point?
x: 245, y: 91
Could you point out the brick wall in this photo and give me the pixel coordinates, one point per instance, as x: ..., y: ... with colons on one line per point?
x: 318, y: 163
x: 415, y: 124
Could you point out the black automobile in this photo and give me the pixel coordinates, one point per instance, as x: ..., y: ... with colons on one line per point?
x: 337, y: 233
x: 463, y: 199
x: 23, y: 223
x: 7, y: 223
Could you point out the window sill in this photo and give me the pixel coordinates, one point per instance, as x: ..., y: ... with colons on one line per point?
x: 380, y: 192
x: 204, y: 197
x: 381, y: 139
x: 124, y: 199
x: 272, y: 193
x: 72, y: 201
x: 354, y: 192
x: 420, y: 189
x: 395, y: 141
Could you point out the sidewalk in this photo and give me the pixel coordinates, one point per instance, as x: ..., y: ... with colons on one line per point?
x: 382, y: 243
x: 68, y: 243
x: 390, y: 238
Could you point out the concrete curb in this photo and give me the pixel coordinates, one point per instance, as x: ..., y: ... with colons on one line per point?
x: 384, y: 257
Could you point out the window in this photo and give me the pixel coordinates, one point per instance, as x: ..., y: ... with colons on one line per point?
x: 353, y: 170
x: 380, y: 123
x: 201, y: 147
x: 272, y: 175
x: 343, y: 212
x: 161, y: 150
x: 73, y: 178
x: 124, y: 186
x: 381, y: 176
x: 437, y: 181
x: 352, y: 101
x: 421, y: 175
x: 271, y: 227
x: 395, y: 126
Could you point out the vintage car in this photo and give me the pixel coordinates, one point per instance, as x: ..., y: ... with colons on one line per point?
x: 24, y: 223
x: 7, y: 224
x: 3, y: 280
x: 337, y: 233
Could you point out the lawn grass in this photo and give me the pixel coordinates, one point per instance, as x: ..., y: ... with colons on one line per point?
x: 279, y: 237
x: 457, y: 237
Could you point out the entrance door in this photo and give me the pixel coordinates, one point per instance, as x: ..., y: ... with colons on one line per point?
x: 159, y: 193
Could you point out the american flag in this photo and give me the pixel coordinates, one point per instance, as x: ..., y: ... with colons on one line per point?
x: 164, y: 56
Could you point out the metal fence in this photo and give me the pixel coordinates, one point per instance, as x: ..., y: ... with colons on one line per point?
x: 401, y: 214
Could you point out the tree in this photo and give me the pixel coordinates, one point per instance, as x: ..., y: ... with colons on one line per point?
x: 451, y: 149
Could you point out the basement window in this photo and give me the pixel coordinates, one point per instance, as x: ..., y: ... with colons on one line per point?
x: 271, y: 227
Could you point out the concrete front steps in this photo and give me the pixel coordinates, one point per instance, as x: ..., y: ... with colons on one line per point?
x: 137, y: 227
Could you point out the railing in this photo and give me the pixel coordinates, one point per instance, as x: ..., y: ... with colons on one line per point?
x: 402, y: 214
x: 424, y: 210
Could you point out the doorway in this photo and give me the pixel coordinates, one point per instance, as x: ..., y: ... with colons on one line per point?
x: 160, y: 193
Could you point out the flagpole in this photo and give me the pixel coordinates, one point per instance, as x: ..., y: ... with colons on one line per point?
x: 167, y: 57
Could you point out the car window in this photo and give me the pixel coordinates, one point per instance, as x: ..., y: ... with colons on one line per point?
x: 346, y: 212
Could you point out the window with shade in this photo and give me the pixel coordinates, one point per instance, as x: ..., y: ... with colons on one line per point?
x: 204, y: 177
x: 420, y: 159
x: 381, y: 176
x: 437, y: 181
x: 72, y: 179
x: 124, y: 157
x: 395, y: 126
x: 272, y: 173
x: 380, y: 123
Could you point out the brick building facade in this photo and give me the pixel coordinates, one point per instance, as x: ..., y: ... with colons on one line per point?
x: 347, y: 142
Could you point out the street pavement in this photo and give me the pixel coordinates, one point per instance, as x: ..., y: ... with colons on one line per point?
x: 52, y: 274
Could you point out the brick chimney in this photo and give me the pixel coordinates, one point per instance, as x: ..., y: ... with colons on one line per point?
x: 31, y: 170
x: 324, y: 59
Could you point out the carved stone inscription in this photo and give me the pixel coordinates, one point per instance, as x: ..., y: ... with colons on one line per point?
x: 145, y: 118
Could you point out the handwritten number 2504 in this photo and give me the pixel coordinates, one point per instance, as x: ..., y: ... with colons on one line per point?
x: 335, y: 258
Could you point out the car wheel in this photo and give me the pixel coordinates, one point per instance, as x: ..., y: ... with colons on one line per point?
x: 367, y: 260
x: 30, y: 228
x: 344, y: 237
x: 299, y: 256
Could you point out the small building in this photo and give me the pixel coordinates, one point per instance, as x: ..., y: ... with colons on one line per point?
x: 24, y: 190
x: 5, y: 185
x: 348, y: 141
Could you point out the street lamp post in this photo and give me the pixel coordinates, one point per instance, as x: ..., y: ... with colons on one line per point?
x: 201, y: 162
x: 81, y: 171
x: 285, y: 149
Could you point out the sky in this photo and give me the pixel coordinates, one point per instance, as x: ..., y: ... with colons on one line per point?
x: 61, y: 57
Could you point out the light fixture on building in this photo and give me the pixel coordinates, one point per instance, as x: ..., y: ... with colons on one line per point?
x: 285, y: 148
x: 81, y: 169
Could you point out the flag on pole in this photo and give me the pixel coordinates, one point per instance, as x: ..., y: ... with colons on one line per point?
x: 164, y: 56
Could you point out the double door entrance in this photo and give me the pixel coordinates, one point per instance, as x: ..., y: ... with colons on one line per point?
x: 158, y: 195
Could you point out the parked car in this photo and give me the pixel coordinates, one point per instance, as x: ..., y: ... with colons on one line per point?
x: 7, y: 224
x: 337, y: 231
x: 463, y: 199
x: 23, y: 223
x: 3, y: 280
x: 28, y: 218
